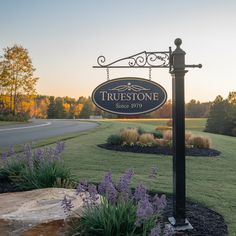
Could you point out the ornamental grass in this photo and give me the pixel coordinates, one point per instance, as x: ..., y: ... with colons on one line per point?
x: 129, y: 136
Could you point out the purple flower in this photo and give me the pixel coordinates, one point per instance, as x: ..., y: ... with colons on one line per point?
x: 168, y: 230
x: 124, y: 184
x: 11, y: 151
x: 159, y: 203
x: 82, y: 187
x: 140, y: 192
x: 66, y: 204
x: 153, y: 172
x: 156, y: 231
x: 105, y: 183
x: 111, y: 193
x: 92, y: 189
x: 29, y: 156
x: 39, y: 154
x: 144, y: 211
x: 60, y: 147
x: 4, y: 157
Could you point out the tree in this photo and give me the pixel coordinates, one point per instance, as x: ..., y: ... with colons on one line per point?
x: 51, y: 112
x: 16, y: 75
x: 222, y: 115
x: 60, y: 109
x: 87, y: 109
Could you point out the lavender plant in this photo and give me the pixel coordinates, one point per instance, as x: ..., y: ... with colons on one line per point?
x: 121, y: 210
x: 31, y: 169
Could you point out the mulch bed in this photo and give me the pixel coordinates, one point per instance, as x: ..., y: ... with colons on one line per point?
x: 160, y: 150
x: 205, y: 221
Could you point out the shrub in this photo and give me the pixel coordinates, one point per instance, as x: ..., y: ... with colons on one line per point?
x: 35, y: 169
x: 115, y: 139
x: 146, y: 139
x: 233, y: 132
x: 8, y: 116
x: 141, y: 130
x: 157, y: 134
x: 121, y: 211
x: 129, y: 136
x: 200, y: 142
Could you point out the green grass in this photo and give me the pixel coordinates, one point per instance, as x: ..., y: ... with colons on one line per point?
x: 3, y: 123
x: 210, y: 181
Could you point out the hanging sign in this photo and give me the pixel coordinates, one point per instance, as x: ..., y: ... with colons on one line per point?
x: 129, y: 96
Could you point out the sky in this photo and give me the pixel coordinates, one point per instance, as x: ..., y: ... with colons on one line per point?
x: 64, y: 39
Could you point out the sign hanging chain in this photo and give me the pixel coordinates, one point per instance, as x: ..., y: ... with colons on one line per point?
x: 150, y: 73
x: 108, y: 75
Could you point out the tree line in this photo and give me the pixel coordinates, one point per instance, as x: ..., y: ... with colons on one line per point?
x: 18, y: 98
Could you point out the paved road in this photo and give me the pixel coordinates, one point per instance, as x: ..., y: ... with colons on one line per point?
x: 40, y: 129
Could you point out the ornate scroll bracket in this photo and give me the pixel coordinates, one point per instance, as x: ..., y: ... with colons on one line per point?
x: 140, y: 60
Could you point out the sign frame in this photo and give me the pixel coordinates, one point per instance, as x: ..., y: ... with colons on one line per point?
x: 175, y: 61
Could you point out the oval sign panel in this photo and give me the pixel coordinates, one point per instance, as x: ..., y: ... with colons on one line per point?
x: 129, y: 96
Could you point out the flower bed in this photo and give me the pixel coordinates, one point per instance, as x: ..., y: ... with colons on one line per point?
x: 157, y: 142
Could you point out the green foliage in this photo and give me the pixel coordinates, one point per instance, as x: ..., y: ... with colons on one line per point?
x: 157, y: 134
x: 51, y: 111
x: 141, y: 130
x: 40, y: 168
x: 87, y: 109
x: 6, y: 116
x: 115, y: 139
x: 222, y: 116
x: 106, y: 219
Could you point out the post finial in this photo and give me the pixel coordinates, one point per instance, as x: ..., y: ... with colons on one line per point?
x: 178, y: 42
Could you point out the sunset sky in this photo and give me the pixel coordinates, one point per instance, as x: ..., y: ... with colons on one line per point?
x: 64, y: 39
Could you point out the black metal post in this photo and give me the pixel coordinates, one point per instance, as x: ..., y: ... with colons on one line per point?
x: 179, y: 192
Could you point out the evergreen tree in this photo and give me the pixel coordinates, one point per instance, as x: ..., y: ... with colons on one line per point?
x: 51, y: 112
x: 87, y: 109
x: 222, y: 116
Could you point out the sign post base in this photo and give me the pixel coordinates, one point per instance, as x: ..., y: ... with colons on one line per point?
x: 180, y: 226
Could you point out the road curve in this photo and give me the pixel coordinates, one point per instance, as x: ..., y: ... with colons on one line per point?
x: 40, y: 129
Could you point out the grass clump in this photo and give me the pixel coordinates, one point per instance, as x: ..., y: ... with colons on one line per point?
x: 200, y: 142
x: 129, y: 136
x: 146, y: 139
x: 34, y: 169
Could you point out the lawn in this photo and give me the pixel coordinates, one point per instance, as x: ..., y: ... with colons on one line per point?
x: 2, y: 123
x: 210, y: 181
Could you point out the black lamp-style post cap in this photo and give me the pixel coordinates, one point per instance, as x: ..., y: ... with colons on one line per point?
x: 178, y: 42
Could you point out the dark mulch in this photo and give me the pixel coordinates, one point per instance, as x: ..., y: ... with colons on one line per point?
x: 205, y: 221
x: 159, y: 150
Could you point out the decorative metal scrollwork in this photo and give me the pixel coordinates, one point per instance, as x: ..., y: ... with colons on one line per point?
x: 140, y: 60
